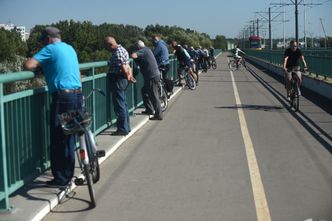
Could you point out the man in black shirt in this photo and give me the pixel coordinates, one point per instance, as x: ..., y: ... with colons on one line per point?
x: 292, y: 57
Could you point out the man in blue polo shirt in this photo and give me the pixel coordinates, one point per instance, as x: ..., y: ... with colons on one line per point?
x: 60, y: 67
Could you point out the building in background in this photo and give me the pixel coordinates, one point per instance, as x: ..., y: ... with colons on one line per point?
x: 19, y: 29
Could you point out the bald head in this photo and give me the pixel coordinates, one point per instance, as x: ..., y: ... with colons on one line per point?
x: 110, y: 43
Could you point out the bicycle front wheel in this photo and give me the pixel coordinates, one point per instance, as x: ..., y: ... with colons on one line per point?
x: 191, y: 84
x: 89, y: 181
x: 232, y: 65
x: 296, y: 100
x: 93, y: 159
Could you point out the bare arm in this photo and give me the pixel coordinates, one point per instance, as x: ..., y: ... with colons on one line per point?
x: 31, y: 64
x: 304, y: 62
x: 285, y: 63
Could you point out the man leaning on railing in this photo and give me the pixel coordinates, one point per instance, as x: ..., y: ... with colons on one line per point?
x: 61, y: 69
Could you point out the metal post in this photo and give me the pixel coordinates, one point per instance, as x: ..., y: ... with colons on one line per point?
x: 4, y: 206
x: 304, y: 26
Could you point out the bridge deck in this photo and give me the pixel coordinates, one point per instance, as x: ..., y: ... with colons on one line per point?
x: 199, y: 163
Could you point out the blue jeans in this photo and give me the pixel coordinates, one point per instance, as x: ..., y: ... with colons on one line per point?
x: 118, y: 86
x: 63, y: 146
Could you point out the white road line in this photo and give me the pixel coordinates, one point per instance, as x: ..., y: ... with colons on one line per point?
x: 262, y: 208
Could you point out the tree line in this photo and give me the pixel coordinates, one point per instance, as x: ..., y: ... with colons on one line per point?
x: 88, y: 39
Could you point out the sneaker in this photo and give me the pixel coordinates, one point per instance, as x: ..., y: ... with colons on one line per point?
x: 119, y: 133
x: 147, y: 112
x: 156, y: 118
x: 288, y: 98
x: 299, y: 92
x: 56, y: 183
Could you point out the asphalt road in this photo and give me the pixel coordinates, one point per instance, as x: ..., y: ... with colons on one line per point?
x: 231, y: 150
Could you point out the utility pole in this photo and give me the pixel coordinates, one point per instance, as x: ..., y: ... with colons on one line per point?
x: 257, y: 28
x: 269, y: 19
x: 270, y: 31
x: 295, y: 2
x: 321, y: 21
x: 296, y: 23
x: 305, y: 21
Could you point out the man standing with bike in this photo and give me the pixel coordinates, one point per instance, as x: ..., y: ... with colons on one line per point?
x: 292, y: 57
x: 161, y: 54
x: 149, y: 68
x: 61, y: 69
x: 184, y: 61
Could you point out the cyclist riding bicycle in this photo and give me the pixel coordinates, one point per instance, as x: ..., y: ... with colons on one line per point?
x: 184, y: 61
x: 211, y: 53
x: 292, y: 58
x: 237, y: 56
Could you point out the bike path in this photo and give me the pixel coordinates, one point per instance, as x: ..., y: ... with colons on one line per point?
x: 193, y: 165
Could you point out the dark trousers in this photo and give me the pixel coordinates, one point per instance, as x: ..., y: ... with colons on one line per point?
x: 62, y: 148
x: 118, y: 87
x: 150, y: 94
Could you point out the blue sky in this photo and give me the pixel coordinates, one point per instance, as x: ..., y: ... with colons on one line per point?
x: 214, y: 17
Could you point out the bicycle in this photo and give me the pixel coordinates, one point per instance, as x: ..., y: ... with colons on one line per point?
x: 236, y: 63
x: 190, y: 81
x: 162, y: 94
x: 213, y: 63
x: 294, y: 92
x: 79, y: 123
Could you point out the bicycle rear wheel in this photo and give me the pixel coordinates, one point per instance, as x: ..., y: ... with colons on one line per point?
x: 191, y: 84
x: 214, y: 65
x: 93, y: 159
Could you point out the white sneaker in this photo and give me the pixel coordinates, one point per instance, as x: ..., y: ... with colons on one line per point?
x: 288, y: 98
x: 299, y: 92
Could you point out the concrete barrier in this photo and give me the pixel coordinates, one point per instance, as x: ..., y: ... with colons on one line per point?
x: 318, y: 86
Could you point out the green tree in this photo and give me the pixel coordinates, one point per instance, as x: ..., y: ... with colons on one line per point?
x: 11, y: 45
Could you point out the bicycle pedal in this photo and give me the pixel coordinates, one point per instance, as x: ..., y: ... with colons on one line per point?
x: 100, y: 153
x: 79, y: 181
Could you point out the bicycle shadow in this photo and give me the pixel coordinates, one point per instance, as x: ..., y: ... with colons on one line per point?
x: 254, y: 107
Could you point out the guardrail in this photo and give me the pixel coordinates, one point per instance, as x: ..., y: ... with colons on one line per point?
x: 24, y: 124
x: 319, y: 62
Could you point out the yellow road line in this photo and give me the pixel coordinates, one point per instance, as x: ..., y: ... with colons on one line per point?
x: 262, y: 208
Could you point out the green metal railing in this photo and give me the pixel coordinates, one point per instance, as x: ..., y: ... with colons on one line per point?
x: 319, y: 62
x: 24, y: 122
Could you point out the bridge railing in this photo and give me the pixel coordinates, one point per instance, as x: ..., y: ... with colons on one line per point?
x: 24, y: 123
x: 319, y: 62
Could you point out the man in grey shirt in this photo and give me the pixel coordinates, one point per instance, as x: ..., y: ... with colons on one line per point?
x: 149, y: 68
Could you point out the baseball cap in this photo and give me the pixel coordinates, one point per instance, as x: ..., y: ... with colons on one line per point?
x: 50, y: 32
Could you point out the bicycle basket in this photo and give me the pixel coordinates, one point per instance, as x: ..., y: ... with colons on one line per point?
x: 73, y: 122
